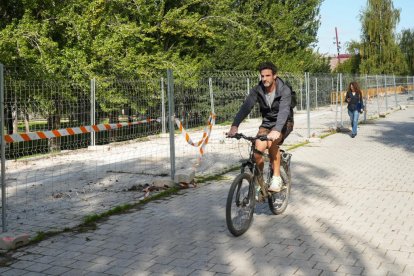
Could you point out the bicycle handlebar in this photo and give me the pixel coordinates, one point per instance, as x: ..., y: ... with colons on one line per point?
x: 239, y: 136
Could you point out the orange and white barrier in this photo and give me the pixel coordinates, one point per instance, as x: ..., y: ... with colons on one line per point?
x: 206, y: 134
x: 30, y: 136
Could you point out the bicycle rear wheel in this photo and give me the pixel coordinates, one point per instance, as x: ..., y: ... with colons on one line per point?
x: 278, y: 202
x: 240, y: 204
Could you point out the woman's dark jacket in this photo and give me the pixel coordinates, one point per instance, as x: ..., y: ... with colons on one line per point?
x: 274, y: 117
x: 352, y: 105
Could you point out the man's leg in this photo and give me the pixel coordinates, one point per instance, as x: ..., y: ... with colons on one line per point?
x: 260, y: 146
x: 274, y: 153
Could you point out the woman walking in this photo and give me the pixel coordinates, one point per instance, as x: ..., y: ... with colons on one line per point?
x: 355, y: 105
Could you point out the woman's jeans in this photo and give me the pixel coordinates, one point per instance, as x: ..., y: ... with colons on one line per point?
x: 354, y: 115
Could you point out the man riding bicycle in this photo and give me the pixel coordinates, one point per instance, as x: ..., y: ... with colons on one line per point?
x: 274, y: 98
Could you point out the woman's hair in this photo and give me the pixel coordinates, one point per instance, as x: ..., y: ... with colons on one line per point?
x: 356, y: 87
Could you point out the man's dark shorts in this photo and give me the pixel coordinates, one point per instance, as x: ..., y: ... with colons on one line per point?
x: 286, y: 130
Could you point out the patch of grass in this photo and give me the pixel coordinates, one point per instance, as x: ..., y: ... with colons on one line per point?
x: 40, y: 236
x: 204, y: 179
x: 328, y: 134
x: 217, y: 177
x: 297, y: 145
x: 166, y: 193
x: 89, y: 219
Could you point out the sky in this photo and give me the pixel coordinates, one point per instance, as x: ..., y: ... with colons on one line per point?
x: 344, y: 14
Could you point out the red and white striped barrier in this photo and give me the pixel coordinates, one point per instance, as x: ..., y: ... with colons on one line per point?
x: 206, y: 134
x: 30, y: 136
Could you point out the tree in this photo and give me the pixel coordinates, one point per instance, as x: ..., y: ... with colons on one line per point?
x: 381, y: 54
x: 351, y: 65
x: 406, y: 44
x: 281, y: 31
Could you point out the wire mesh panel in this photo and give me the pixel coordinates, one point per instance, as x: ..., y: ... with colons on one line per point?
x: 137, y: 106
x: 54, y: 177
x: 38, y: 116
x: 39, y: 106
x: 404, y: 86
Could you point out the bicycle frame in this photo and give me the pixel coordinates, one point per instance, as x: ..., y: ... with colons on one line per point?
x: 250, y: 163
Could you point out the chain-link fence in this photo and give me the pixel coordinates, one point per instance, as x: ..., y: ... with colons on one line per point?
x: 73, y: 149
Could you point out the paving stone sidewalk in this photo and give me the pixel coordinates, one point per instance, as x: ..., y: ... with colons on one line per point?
x: 351, y: 213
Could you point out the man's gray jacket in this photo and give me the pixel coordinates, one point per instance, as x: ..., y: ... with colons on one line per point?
x: 274, y: 116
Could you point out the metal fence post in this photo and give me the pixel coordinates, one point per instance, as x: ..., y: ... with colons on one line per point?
x: 378, y: 105
x: 3, y: 153
x: 386, y: 94
x: 248, y: 91
x: 171, y: 113
x: 342, y: 102
x: 336, y: 101
x: 307, y: 83
x: 163, y: 126
x: 301, y: 93
x: 210, y: 84
x: 93, y: 111
x: 366, y: 98
x: 316, y: 93
x: 395, y: 91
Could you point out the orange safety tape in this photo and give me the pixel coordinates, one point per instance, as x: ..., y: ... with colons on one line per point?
x: 30, y: 136
x: 206, y: 134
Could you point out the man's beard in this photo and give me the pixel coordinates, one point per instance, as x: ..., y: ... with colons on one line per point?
x: 267, y: 84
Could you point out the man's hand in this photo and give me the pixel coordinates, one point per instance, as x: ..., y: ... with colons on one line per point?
x: 233, y: 130
x: 273, y: 135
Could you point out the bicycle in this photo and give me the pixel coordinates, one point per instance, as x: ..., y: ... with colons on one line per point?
x: 249, y: 187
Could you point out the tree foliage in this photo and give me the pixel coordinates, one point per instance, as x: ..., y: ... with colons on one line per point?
x: 130, y: 38
x: 379, y: 50
x: 282, y: 31
x: 406, y: 43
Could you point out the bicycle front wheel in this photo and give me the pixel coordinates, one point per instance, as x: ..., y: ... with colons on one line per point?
x: 240, y: 204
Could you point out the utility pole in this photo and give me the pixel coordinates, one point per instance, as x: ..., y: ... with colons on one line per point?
x: 338, y: 47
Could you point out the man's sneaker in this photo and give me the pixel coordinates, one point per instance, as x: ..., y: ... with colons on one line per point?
x: 275, y: 184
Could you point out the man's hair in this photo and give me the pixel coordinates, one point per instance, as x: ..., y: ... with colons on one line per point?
x: 268, y: 65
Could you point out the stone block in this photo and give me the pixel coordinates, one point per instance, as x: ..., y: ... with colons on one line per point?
x: 163, y: 182
x: 184, y: 176
x: 13, y: 240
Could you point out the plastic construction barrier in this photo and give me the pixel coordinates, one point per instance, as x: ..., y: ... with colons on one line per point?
x: 206, y: 134
x: 30, y: 136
